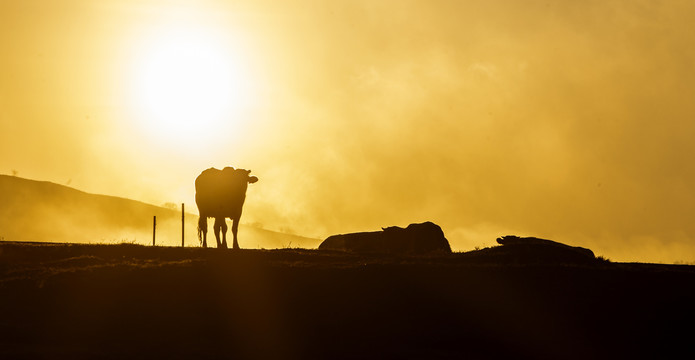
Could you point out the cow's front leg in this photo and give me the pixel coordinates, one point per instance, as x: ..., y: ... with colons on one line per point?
x: 224, y: 234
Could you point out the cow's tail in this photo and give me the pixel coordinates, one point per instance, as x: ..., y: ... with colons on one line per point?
x: 200, y: 234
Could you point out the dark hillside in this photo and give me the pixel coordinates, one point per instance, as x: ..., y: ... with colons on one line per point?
x: 43, y: 211
x: 123, y: 301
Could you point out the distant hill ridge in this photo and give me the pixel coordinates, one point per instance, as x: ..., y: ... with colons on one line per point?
x: 32, y: 210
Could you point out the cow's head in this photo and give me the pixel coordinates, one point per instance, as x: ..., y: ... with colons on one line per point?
x: 252, y: 179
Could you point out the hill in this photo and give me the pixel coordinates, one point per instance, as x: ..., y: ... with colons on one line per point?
x: 47, y: 212
x: 131, y: 301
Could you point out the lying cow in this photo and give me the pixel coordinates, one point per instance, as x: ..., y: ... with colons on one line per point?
x: 414, y: 239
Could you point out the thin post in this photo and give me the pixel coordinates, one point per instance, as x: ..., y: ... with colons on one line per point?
x: 183, y: 223
x: 154, y: 229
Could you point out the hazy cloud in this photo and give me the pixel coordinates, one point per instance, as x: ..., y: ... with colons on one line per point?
x: 559, y: 119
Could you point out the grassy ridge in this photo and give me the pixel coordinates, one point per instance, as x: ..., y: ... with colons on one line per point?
x: 86, y: 301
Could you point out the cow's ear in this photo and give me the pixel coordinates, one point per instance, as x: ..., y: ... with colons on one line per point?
x: 252, y: 179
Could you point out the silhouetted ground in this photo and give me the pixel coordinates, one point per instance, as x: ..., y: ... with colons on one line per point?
x: 129, y: 301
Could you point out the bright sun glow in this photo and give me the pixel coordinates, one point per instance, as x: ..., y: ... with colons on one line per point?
x: 188, y: 85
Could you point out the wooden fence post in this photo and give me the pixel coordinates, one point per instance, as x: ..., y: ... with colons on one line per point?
x: 154, y: 229
x: 183, y: 223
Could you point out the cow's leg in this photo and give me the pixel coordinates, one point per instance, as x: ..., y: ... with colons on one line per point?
x: 224, y: 233
x: 203, y: 229
x: 235, y: 227
x: 218, y: 228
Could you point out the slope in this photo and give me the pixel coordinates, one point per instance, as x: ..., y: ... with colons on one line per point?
x: 47, y: 212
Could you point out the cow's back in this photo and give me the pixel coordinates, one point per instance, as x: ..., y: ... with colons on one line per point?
x: 220, y: 192
x: 206, y: 185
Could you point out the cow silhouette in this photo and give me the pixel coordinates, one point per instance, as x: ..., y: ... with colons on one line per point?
x: 220, y: 194
x: 422, y: 238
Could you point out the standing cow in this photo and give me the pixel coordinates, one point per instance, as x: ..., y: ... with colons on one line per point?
x: 220, y: 194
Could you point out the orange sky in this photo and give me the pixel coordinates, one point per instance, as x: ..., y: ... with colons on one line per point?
x: 566, y: 120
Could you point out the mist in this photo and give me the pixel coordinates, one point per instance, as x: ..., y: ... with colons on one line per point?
x: 569, y: 122
x: 552, y: 119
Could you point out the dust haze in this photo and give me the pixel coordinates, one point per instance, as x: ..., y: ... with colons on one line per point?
x: 568, y: 121
x: 40, y: 211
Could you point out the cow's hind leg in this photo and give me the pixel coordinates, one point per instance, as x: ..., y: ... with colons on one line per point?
x: 203, y: 229
x: 220, y: 227
x: 235, y: 228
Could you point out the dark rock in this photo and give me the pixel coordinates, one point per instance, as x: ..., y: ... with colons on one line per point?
x: 415, y: 239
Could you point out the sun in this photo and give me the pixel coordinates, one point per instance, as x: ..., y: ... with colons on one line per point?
x: 188, y: 85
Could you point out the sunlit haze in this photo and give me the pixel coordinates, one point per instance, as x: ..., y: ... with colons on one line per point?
x: 565, y: 120
x: 189, y: 85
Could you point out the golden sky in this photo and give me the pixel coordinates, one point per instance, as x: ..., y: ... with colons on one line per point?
x: 559, y: 119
